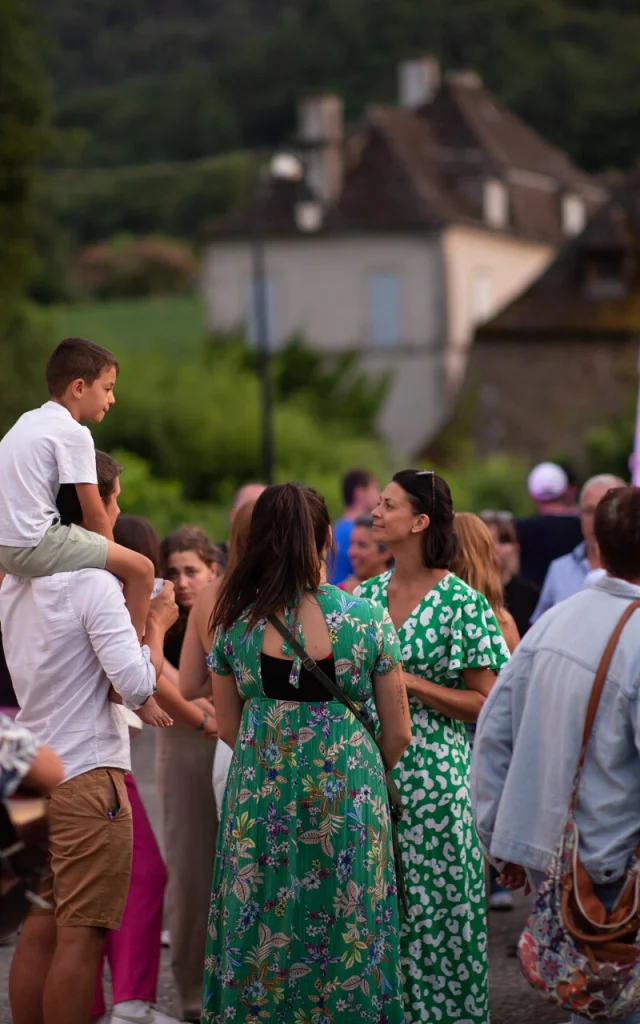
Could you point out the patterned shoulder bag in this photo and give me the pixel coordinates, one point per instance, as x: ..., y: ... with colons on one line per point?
x: 573, y: 950
x: 395, y: 803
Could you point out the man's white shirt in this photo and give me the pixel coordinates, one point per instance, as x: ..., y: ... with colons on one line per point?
x: 67, y: 638
x: 44, y: 449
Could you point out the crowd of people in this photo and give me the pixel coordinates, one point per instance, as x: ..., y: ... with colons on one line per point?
x: 353, y: 722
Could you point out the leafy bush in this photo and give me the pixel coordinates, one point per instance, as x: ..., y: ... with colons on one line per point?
x: 163, y: 502
x: 334, y: 387
x: 610, y: 446
x: 197, y: 420
x: 497, y: 482
x: 25, y: 343
x: 133, y: 267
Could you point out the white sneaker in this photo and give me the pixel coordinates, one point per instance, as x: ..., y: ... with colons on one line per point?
x: 501, y: 901
x: 148, y: 1016
x: 165, y: 938
x: 158, y: 1017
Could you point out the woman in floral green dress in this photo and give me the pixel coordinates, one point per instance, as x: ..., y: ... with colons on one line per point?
x: 452, y: 649
x: 303, y: 926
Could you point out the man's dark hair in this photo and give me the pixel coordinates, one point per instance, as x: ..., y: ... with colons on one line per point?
x: 617, y: 530
x: 573, y: 477
x: 68, y: 502
x: 76, y: 359
x: 429, y: 494
x: 351, y: 481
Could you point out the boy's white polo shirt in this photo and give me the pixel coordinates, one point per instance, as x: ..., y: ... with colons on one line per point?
x: 44, y: 449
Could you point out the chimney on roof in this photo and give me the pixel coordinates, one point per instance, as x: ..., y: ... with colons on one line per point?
x: 418, y: 82
x: 321, y: 136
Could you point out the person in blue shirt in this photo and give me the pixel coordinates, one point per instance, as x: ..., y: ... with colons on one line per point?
x: 567, y: 575
x: 360, y: 494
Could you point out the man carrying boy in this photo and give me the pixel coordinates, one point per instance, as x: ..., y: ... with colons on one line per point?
x: 47, y: 447
x: 68, y: 638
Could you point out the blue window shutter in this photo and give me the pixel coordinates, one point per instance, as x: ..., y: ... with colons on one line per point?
x: 272, y: 321
x: 384, y: 301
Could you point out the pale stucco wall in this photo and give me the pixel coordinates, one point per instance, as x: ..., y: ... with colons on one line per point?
x: 472, y: 258
x: 322, y: 287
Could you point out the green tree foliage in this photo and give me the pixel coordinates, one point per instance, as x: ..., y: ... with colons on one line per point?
x: 174, y: 199
x: 183, y: 78
x: 333, y: 388
x: 23, y: 107
x: 196, y: 420
x: 162, y: 501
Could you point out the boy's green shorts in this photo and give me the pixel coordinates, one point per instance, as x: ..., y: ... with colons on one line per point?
x: 62, y: 549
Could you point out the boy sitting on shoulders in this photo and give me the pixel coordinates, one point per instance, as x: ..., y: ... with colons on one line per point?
x: 48, y: 447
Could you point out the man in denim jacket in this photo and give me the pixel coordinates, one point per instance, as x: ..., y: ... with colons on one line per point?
x: 530, y: 730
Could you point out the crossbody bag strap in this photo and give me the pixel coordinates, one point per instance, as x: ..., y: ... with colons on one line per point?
x: 335, y: 691
x: 598, y: 687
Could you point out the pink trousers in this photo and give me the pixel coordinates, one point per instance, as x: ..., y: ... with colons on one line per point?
x: 134, y: 951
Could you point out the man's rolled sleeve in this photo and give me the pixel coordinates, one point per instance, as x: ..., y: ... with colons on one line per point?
x: 100, y: 605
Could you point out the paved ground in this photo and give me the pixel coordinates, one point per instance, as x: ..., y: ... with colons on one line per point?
x: 512, y: 1001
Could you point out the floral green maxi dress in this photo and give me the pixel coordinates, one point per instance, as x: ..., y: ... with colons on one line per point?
x: 303, y: 927
x: 444, y: 946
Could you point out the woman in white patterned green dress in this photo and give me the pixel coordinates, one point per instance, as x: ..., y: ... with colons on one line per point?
x: 452, y: 649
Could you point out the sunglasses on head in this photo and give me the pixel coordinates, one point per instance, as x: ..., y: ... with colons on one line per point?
x: 429, y: 472
x: 496, y: 516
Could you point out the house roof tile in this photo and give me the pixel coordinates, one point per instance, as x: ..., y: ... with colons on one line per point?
x: 592, y: 288
x: 418, y: 169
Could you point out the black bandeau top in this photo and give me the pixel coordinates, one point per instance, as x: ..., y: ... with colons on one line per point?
x: 276, y: 685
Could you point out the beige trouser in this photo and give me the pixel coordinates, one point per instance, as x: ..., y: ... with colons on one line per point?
x: 184, y: 765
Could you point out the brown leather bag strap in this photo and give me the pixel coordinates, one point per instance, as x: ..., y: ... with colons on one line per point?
x: 598, y: 685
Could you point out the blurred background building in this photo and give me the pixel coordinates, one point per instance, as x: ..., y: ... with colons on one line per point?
x: 435, y: 214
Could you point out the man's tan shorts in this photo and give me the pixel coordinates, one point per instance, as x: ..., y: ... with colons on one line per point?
x: 90, y: 850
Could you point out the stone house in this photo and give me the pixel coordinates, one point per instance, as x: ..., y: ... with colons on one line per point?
x: 563, y: 356
x: 435, y: 214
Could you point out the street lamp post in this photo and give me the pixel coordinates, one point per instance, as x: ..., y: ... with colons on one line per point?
x: 261, y: 325
x: 635, y: 458
x: 308, y: 213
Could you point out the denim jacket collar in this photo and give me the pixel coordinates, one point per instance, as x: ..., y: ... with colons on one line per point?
x: 618, y: 588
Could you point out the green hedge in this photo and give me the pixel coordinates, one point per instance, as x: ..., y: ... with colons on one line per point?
x: 172, y: 199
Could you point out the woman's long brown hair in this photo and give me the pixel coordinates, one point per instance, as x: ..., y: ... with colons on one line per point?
x: 288, y: 533
x: 476, y: 561
x: 239, y: 536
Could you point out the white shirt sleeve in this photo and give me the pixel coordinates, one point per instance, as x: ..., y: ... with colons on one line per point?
x: 76, y: 457
x: 98, y: 603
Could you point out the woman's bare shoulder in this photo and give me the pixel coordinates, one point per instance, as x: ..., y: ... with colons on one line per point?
x: 203, y: 608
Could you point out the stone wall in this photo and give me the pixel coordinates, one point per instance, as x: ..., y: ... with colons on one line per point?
x: 539, y: 397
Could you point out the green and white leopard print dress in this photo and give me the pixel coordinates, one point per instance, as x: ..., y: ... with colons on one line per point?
x: 444, y: 945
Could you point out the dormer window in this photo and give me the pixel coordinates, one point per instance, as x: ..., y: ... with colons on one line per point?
x: 496, y: 203
x: 606, y: 273
x: 574, y: 215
